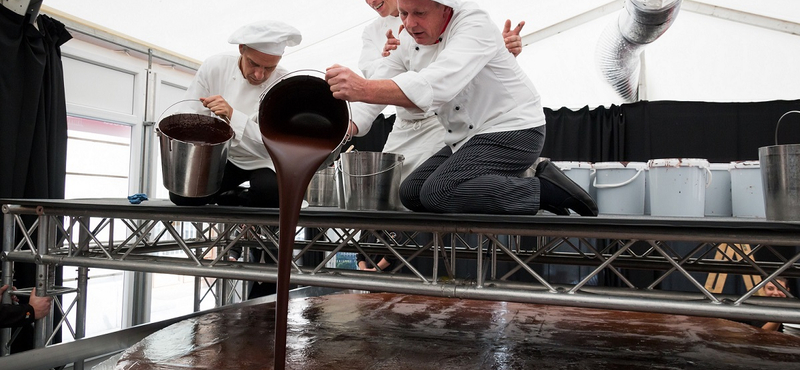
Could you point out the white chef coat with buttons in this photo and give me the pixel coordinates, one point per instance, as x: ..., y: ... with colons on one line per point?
x: 220, y: 75
x: 468, y: 79
x: 415, y: 135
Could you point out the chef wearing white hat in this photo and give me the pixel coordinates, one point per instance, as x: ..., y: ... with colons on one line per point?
x: 230, y: 85
x: 415, y: 135
x: 451, y: 60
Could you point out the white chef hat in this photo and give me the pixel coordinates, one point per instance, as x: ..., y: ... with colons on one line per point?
x: 268, y: 36
x: 451, y: 3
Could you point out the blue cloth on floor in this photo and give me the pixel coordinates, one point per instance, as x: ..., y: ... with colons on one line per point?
x: 137, y: 198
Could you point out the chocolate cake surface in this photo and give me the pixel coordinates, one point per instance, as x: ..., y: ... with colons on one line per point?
x: 394, y: 331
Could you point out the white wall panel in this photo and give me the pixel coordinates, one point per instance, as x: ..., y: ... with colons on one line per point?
x: 92, y: 84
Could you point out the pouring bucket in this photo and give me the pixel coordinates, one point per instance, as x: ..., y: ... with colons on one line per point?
x: 321, y: 190
x: 780, y: 176
x: 300, y: 105
x: 194, y: 151
x: 371, y: 181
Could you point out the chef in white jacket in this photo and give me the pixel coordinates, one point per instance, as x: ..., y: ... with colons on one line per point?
x: 230, y: 85
x: 451, y: 60
x: 415, y: 135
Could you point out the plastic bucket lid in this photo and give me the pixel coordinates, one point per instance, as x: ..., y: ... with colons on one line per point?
x: 568, y: 165
x: 678, y: 162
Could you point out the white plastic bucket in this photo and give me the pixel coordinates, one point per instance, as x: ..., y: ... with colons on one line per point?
x: 718, y: 194
x: 647, y: 191
x: 747, y: 197
x: 678, y: 186
x: 620, y: 187
x: 579, y: 172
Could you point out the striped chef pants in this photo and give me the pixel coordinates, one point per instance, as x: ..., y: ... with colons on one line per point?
x: 483, y: 176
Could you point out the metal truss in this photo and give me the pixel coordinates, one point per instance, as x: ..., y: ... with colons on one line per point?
x: 162, y: 238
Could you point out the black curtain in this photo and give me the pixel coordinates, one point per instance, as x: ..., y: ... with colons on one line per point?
x: 719, y: 132
x: 589, y: 135
x: 33, y: 123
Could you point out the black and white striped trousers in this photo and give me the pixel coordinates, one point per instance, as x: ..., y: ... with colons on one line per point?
x: 483, y: 176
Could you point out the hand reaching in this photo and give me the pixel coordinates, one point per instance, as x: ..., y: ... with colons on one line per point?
x: 512, y: 38
x: 391, y: 41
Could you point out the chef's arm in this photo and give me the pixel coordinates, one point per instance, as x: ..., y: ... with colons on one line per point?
x: 348, y: 85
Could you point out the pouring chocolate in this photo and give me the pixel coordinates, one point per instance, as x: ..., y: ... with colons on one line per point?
x: 302, y: 126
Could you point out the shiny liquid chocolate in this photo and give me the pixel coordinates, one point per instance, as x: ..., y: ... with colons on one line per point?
x: 395, y: 331
x: 301, y: 124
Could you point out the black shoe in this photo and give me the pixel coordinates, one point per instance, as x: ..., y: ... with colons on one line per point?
x: 560, y: 211
x: 577, y: 199
x: 230, y: 198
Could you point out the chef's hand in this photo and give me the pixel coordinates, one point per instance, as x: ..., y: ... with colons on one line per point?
x: 391, y: 41
x: 41, y: 305
x: 345, y: 84
x: 219, y: 106
x: 13, y: 297
x: 512, y: 38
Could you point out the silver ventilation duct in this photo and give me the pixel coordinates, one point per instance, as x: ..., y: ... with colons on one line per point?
x: 640, y: 23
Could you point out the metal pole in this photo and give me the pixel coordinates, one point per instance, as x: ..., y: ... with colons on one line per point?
x: 8, y: 277
x: 40, y: 332
x: 80, y: 313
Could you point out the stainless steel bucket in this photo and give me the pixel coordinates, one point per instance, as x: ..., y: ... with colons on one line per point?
x: 321, y: 190
x: 194, y: 151
x: 371, y: 181
x: 780, y: 176
x: 300, y: 104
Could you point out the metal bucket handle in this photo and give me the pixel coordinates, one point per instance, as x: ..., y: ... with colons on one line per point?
x: 779, y: 123
x: 395, y: 164
x: 606, y: 186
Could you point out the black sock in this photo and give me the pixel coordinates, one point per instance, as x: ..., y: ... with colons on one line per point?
x: 550, y: 194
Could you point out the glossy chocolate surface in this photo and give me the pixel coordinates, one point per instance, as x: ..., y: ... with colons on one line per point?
x: 392, y: 331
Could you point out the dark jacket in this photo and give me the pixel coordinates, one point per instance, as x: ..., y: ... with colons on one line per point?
x: 16, y: 315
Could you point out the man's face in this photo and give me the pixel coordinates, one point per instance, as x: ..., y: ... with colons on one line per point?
x: 256, y: 66
x: 384, y: 8
x: 770, y: 290
x: 423, y: 19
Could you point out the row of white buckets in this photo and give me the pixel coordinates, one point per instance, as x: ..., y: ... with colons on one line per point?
x: 680, y: 187
x: 687, y: 187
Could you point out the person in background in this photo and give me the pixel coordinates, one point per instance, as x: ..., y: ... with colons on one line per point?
x: 451, y: 61
x: 770, y: 290
x: 230, y: 85
x: 415, y: 135
x: 15, y: 315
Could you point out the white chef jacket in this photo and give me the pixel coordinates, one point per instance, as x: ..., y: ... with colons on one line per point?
x: 220, y: 75
x: 469, y: 79
x: 415, y: 135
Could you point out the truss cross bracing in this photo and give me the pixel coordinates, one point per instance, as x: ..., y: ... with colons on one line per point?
x: 112, y: 234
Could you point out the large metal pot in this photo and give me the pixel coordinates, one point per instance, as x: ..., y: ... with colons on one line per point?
x: 780, y: 177
x: 194, y: 151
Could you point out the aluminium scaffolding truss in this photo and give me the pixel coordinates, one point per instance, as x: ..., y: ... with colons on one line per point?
x: 113, y: 234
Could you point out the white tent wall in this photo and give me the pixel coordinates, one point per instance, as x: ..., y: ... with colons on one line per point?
x: 702, y: 58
